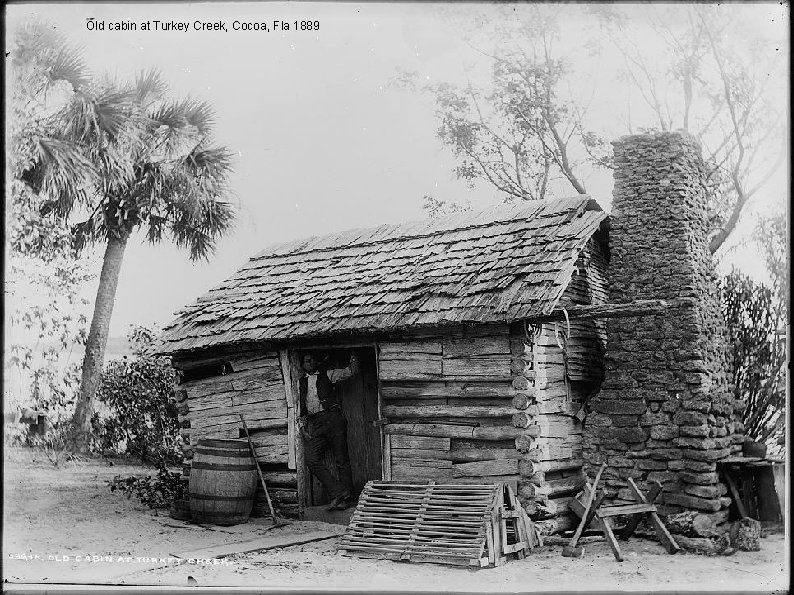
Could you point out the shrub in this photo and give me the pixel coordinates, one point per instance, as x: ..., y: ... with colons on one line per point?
x: 140, y: 416
x: 153, y: 491
x: 754, y: 318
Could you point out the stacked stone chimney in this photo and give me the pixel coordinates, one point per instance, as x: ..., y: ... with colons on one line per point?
x: 666, y: 410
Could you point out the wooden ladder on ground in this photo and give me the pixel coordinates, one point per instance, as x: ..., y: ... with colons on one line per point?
x: 461, y: 524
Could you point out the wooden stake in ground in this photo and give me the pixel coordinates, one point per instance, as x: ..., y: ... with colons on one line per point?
x: 277, y: 521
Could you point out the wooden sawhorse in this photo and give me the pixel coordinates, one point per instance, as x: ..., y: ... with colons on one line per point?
x: 644, y: 507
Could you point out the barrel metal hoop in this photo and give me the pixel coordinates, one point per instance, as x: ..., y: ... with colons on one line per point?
x: 231, y: 443
x: 214, y: 498
x: 240, y: 454
x: 215, y: 467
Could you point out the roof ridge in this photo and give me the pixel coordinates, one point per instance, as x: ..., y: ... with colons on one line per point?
x: 433, y: 227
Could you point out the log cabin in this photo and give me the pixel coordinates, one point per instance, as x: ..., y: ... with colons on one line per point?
x: 483, y: 346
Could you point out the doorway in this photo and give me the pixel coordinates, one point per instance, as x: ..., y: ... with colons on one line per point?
x: 358, y: 398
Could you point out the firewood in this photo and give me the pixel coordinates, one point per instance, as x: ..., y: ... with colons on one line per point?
x: 744, y: 535
x: 691, y: 524
x: 716, y: 544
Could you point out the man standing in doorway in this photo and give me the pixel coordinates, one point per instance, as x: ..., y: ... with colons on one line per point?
x: 323, y: 427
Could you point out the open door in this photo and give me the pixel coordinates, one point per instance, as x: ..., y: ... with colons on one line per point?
x: 358, y: 397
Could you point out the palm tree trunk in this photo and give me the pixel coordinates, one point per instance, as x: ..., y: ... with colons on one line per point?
x: 97, y: 340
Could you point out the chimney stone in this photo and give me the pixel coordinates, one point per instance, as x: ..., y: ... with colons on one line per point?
x: 670, y: 370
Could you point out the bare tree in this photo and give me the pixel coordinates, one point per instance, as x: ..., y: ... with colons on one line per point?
x: 522, y: 134
x: 702, y: 77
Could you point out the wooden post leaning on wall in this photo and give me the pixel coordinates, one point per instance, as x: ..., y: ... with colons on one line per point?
x: 292, y: 407
x: 385, y: 438
x: 292, y: 359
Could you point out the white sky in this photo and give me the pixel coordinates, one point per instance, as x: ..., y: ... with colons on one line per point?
x: 324, y: 141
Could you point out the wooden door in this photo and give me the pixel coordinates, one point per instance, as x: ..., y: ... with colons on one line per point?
x: 359, y: 398
x: 359, y: 401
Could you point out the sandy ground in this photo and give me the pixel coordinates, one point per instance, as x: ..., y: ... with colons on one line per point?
x: 54, y: 513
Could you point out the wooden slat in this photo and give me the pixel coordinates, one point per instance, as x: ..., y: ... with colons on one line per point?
x: 607, y: 511
x: 421, y: 522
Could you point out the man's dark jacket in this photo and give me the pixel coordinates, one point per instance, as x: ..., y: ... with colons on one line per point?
x: 326, y: 392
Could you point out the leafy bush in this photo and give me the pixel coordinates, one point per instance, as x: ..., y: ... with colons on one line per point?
x: 155, y: 492
x: 140, y: 416
x: 754, y: 320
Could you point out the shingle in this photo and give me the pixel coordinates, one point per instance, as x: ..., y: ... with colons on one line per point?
x: 495, y: 265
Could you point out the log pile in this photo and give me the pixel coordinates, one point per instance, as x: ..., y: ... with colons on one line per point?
x: 210, y: 407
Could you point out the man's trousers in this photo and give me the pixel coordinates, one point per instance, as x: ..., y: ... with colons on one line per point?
x: 328, y: 430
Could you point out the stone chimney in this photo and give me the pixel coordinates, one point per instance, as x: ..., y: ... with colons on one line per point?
x: 666, y: 409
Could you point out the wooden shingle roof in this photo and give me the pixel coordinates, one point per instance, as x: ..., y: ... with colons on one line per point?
x: 498, y: 265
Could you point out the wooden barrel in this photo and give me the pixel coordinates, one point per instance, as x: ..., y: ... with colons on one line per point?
x: 223, y: 481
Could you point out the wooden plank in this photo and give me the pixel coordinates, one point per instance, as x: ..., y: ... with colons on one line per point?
x: 483, y: 454
x: 486, y: 468
x: 269, y: 393
x: 631, y: 526
x: 252, y: 414
x: 262, y: 410
x: 439, y: 389
x: 234, y: 428
x: 386, y: 440
x: 400, y: 350
x: 417, y: 462
x: 617, y: 310
x: 658, y: 526
x: 210, y: 401
x: 453, y: 431
x: 735, y: 493
x: 419, y: 453
x: 267, y: 366
x: 422, y: 367
x: 429, y: 411
x: 477, y: 365
x: 510, y: 480
x: 610, y: 537
x: 264, y: 438
x: 303, y: 477
x: 419, y: 473
x: 289, y: 397
x: 422, y: 442
x: 608, y: 511
x: 476, y: 346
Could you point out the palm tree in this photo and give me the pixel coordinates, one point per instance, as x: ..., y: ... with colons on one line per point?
x: 118, y: 157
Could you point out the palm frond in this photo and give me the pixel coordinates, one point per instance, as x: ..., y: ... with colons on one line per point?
x: 200, y: 234
x: 198, y: 114
x: 64, y: 174
x: 112, y: 111
x: 68, y: 65
x: 39, y: 46
x: 149, y: 87
x: 85, y: 233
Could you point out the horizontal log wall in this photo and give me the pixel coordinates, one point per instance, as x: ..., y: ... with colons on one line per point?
x: 549, y: 410
x: 567, y: 357
x: 587, y: 338
x: 449, y: 403
x: 211, y: 408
